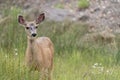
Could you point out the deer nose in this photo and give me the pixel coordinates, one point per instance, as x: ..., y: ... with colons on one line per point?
x: 34, y: 34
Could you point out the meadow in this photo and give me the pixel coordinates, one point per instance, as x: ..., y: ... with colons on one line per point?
x: 73, y: 59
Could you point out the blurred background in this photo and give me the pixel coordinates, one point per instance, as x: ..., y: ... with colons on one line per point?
x: 85, y: 34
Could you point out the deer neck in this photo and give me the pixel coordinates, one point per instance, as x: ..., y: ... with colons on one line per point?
x: 30, y: 51
x: 30, y: 40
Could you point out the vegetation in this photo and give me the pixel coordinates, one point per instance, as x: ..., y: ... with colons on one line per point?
x: 73, y: 60
x: 60, y: 5
x: 82, y: 4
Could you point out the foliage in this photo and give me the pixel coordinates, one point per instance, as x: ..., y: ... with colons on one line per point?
x: 82, y: 4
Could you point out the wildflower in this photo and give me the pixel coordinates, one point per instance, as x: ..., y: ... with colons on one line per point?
x: 16, y: 51
x: 93, y: 66
x: 107, y: 71
x: 16, y: 54
x: 96, y: 64
x: 98, y: 68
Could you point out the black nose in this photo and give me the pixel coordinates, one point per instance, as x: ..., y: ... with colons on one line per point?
x: 34, y: 34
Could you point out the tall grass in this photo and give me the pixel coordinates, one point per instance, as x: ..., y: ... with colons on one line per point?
x: 73, y: 60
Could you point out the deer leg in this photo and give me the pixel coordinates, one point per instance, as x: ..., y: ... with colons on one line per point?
x: 49, y: 75
x: 43, y: 74
x: 46, y: 74
x: 50, y: 72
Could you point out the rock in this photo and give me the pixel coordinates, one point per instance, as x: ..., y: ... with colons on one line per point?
x: 101, y: 13
x: 95, y: 10
x: 83, y: 18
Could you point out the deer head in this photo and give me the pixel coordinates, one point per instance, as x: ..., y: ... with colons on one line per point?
x: 31, y: 27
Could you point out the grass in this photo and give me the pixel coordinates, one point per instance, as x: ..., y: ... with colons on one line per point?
x: 82, y: 4
x: 73, y: 60
x: 61, y: 6
x: 67, y: 66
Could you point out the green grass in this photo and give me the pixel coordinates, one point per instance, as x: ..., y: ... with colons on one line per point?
x: 61, y: 6
x: 82, y: 4
x: 73, y: 60
x: 78, y: 65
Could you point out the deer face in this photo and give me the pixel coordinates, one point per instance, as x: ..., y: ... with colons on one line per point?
x: 31, y: 27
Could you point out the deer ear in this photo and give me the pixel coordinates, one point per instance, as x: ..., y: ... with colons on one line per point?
x: 40, y: 18
x: 21, y: 20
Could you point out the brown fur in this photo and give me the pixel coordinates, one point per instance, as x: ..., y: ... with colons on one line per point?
x: 39, y: 55
x: 40, y: 51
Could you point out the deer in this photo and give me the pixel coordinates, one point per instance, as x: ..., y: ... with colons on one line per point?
x: 40, y: 50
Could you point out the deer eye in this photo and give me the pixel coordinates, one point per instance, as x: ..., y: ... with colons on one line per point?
x: 27, y: 27
x: 36, y: 27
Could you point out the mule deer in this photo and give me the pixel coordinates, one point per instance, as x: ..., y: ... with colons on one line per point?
x: 39, y: 52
